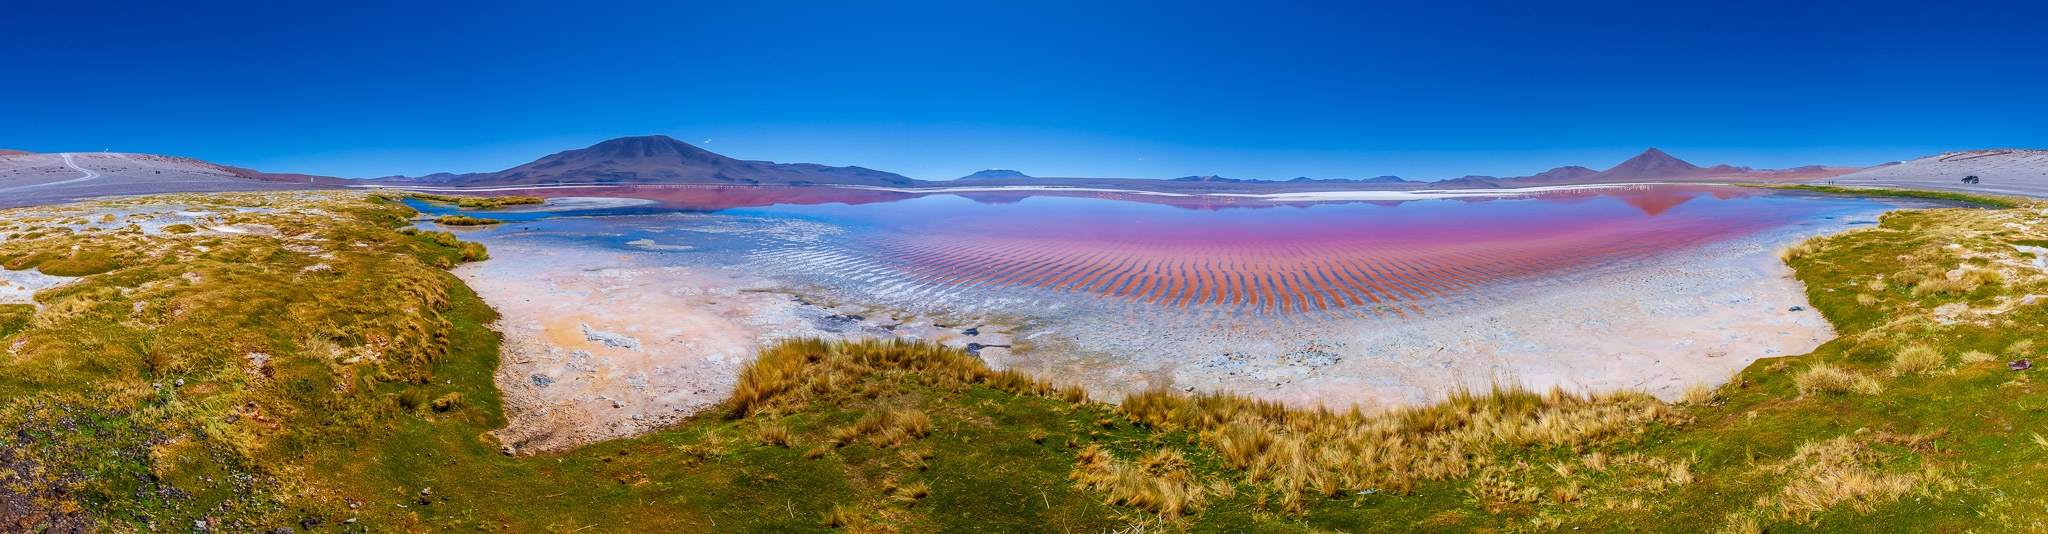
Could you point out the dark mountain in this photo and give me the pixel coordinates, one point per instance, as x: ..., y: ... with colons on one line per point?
x: 1652, y: 164
x: 1561, y: 174
x: 659, y: 159
x: 1467, y: 182
x: 1208, y: 179
x: 992, y: 174
x: 1384, y: 180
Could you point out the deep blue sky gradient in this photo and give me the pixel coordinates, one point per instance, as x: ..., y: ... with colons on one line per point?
x: 1425, y: 90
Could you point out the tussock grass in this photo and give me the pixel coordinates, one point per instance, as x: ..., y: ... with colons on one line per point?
x: 1939, y: 286
x: 1980, y: 276
x: 477, y: 202
x: 1160, y: 483
x: 1801, y: 249
x: 1916, y: 360
x: 774, y: 436
x: 790, y: 375
x: 454, y: 219
x: 1697, y: 394
x: 1848, y: 471
x: 1297, y: 452
x: 1829, y: 379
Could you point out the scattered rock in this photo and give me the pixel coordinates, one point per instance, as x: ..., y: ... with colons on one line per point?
x: 611, y: 339
x: 1798, y: 308
x: 2020, y: 365
x: 542, y: 380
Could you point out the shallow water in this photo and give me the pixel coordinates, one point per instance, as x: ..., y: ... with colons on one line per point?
x: 1372, y: 302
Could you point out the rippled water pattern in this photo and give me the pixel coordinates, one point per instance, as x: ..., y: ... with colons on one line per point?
x: 1348, y: 258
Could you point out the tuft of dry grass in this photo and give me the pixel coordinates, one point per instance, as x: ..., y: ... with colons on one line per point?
x: 2020, y: 349
x: 775, y: 436
x: 840, y: 516
x: 1978, y: 356
x: 1801, y: 249
x: 1980, y: 276
x: 1939, y: 286
x: 1916, y: 360
x: 1742, y: 524
x: 1697, y: 394
x: 1160, y: 483
x: 910, y: 493
x: 1827, y: 378
x: 1296, y: 452
x: 1866, y: 299
x: 788, y: 376
x: 1847, y: 470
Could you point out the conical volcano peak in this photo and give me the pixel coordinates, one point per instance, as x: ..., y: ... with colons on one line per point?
x: 1653, y: 163
x: 646, y: 146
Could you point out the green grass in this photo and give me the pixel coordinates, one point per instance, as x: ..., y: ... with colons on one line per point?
x: 1988, y: 200
x: 322, y: 430
x: 464, y: 220
x: 475, y: 202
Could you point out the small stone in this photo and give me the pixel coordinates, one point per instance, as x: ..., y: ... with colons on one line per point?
x: 637, y: 417
x: 2020, y: 365
x: 428, y: 491
x: 1798, y: 308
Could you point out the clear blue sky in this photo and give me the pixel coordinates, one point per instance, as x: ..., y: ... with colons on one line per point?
x: 934, y: 90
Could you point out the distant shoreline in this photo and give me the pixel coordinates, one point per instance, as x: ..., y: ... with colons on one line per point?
x: 1293, y: 196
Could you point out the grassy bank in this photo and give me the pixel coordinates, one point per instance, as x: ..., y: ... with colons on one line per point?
x: 298, y: 360
x: 1987, y: 200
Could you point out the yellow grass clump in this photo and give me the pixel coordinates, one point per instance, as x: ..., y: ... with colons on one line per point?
x: 1697, y: 394
x: 1297, y: 452
x: 1801, y: 249
x: 1916, y: 360
x: 787, y: 376
x: 1160, y: 482
x: 1939, y: 286
x: 1827, y: 378
x: 1981, y: 276
x: 1847, y: 470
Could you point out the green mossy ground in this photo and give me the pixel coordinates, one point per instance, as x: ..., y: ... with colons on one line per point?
x: 330, y: 370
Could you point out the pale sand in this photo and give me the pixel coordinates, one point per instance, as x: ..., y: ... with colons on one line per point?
x: 679, y: 337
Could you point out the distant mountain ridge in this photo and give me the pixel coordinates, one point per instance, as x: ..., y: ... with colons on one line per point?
x: 994, y: 174
x: 1656, y: 165
x: 659, y: 159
